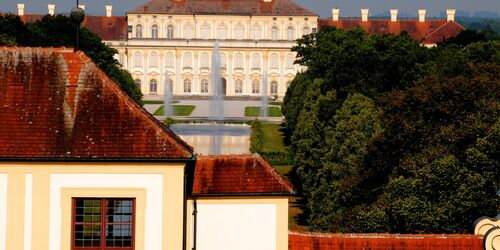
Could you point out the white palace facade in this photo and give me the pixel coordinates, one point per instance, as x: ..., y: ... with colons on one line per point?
x: 175, y: 39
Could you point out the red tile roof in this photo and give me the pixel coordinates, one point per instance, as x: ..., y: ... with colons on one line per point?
x: 428, y: 32
x: 113, y: 28
x: 319, y: 241
x: 57, y: 104
x: 223, y: 7
x: 237, y: 175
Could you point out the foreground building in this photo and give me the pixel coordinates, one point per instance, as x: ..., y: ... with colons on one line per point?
x: 82, y: 166
x: 174, y: 40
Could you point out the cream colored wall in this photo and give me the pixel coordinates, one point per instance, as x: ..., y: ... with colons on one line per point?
x: 43, y: 185
x: 197, y: 45
x: 281, y: 215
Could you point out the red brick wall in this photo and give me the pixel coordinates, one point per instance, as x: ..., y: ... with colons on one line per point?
x: 318, y: 241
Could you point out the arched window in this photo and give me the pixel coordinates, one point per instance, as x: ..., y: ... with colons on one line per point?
x: 188, y: 31
x: 187, y: 85
x: 290, y: 59
x: 169, y: 60
x: 256, y: 32
x: 274, y: 88
x: 170, y: 32
x: 239, y: 32
x: 256, y: 61
x: 204, y: 86
x: 221, y: 32
x: 238, y: 86
x: 275, y: 61
x: 138, y: 83
x: 137, y: 59
x: 187, y: 60
x: 138, y: 31
x: 238, y: 61
x: 275, y: 33
x: 204, y: 59
x: 306, y: 30
x: 290, y: 34
x: 154, y: 31
x: 223, y: 60
x: 255, y: 86
x: 205, y: 32
x: 153, y: 87
x: 153, y: 59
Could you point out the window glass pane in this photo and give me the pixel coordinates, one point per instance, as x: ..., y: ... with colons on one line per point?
x: 118, y: 235
x: 119, y: 211
x: 87, y: 235
x: 88, y: 211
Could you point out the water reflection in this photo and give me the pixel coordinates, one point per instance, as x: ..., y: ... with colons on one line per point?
x: 215, y: 138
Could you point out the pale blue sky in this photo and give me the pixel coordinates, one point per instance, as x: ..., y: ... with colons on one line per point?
x: 321, y: 7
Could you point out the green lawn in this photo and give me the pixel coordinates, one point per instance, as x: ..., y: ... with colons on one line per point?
x: 272, y: 138
x: 156, y: 101
x: 255, y: 111
x: 179, y: 110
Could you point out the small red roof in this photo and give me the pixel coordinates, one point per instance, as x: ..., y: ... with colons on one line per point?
x: 237, y: 175
x: 223, y: 7
x: 57, y: 104
x: 113, y: 28
x: 428, y: 32
x: 328, y: 241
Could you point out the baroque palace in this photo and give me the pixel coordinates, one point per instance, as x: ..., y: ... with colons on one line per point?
x: 175, y: 39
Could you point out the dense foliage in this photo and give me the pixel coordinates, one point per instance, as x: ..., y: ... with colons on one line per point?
x: 57, y: 31
x: 390, y: 136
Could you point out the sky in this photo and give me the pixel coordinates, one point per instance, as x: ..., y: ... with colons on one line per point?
x: 321, y: 7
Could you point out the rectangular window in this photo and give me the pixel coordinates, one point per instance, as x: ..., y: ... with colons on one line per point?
x: 103, y: 224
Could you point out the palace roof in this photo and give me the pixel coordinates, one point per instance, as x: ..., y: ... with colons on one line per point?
x: 223, y: 7
x: 237, y: 175
x: 428, y: 32
x: 57, y: 104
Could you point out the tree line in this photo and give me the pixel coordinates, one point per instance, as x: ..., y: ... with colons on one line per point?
x: 391, y: 136
x: 58, y: 31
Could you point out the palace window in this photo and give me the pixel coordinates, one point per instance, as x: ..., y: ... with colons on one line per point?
x: 221, y: 32
x: 306, y: 30
x: 169, y: 60
x: 239, y: 32
x: 238, y: 61
x: 290, y: 33
x: 204, y: 86
x: 154, y: 31
x: 138, y: 31
x: 153, y: 87
x: 255, y: 86
x: 204, y: 59
x: 103, y: 223
x: 256, y: 61
x: 275, y: 61
x: 137, y: 59
x: 153, y: 60
x: 138, y: 83
x: 170, y: 32
x: 223, y: 60
x: 187, y: 85
x: 188, y: 31
x: 238, y: 86
x: 275, y: 33
x: 274, y: 87
x: 290, y: 59
x: 205, y: 32
x: 187, y: 60
x: 256, y: 33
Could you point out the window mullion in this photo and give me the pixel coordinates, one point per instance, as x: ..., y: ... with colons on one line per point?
x: 103, y: 224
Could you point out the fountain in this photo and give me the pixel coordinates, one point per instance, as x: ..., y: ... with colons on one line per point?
x: 167, y: 98
x: 217, y: 105
x: 263, y: 110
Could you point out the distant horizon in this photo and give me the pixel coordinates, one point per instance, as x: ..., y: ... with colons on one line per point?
x: 348, y: 8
